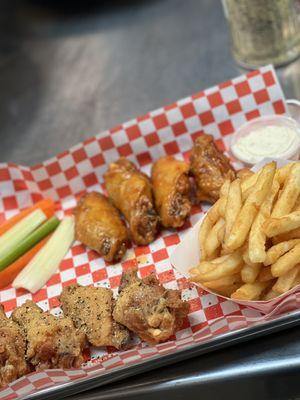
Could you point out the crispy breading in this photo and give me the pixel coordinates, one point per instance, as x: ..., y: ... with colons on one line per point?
x: 52, y: 342
x: 12, y: 350
x: 148, y: 309
x: 90, y: 308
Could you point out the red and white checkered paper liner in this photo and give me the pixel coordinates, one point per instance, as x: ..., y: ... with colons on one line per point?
x: 171, y: 130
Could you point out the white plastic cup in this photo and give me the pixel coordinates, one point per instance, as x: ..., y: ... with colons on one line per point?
x: 261, y: 122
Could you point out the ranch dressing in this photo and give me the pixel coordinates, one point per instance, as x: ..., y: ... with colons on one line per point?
x: 269, y: 141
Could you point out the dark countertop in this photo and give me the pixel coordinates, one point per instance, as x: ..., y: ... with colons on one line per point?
x: 68, y: 72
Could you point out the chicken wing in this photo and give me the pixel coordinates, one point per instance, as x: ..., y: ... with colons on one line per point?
x: 148, y: 309
x: 12, y: 351
x: 90, y: 309
x: 210, y: 168
x: 131, y: 192
x: 98, y: 225
x: 171, y: 189
x: 52, y: 342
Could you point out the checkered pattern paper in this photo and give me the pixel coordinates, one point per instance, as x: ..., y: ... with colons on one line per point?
x: 169, y: 130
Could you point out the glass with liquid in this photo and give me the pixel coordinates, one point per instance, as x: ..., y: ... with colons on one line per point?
x: 264, y: 31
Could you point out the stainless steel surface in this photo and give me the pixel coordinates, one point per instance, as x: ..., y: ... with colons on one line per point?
x: 68, y: 72
x: 266, y: 368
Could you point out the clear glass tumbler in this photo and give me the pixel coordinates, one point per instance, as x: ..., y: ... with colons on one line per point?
x: 264, y: 31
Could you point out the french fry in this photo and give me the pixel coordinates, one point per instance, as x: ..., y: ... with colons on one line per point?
x: 279, y: 249
x: 294, y: 234
x: 227, y: 290
x: 250, y: 291
x: 223, y: 197
x: 249, y: 182
x: 212, y: 241
x: 283, y: 172
x: 265, y: 274
x: 290, y: 193
x: 209, y: 271
x: 245, y: 218
x: 244, y: 173
x: 249, y: 273
x: 233, y: 206
x: 277, y: 226
x: 210, y: 219
x: 286, y: 262
x: 285, y: 282
x: 297, y: 205
x: 223, y: 282
x: 214, y: 255
x: 271, y: 294
x: 257, y: 236
x: 246, y: 193
x: 296, y: 281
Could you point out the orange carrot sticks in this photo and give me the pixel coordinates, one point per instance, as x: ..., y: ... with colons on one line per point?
x: 9, y: 273
x: 46, y: 205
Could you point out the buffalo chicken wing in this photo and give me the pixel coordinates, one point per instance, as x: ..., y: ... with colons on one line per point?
x: 210, y: 168
x: 98, y: 225
x: 131, y: 192
x: 171, y: 189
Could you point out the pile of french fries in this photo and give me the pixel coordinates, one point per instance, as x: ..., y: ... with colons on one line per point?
x: 250, y: 238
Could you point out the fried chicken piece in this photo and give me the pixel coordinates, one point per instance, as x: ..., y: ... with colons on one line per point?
x: 12, y: 351
x: 90, y: 309
x: 210, y: 168
x: 131, y: 192
x: 148, y: 309
x: 99, y: 226
x: 52, y: 342
x: 171, y: 187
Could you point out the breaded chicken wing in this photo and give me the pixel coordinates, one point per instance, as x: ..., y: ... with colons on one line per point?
x: 171, y: 189
x: 52, y: 342
x: 210, y: 169
x: 12, y: 351
x: 148, y: 309
x: 90, y: 309
x: 98, y: 225
x: 131, y: 192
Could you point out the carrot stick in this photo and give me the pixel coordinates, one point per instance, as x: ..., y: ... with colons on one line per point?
x: 9, y: 273
x: 46, y: 205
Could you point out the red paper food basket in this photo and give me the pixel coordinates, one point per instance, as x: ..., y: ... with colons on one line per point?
x: 168, y: 130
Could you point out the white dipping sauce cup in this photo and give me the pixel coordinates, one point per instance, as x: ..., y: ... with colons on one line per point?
x: 262, y: 122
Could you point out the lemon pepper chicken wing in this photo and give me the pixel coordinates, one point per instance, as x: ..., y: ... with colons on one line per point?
x: 98, y: 225
x: 171, y: 189
x: 52, y: 342
x: 148, y: 309
x: 90, y: 309
x: 210, y: 168
x: 131, y: 192
x: 12, y: 351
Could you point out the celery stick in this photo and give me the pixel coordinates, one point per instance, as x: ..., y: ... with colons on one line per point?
x: 10, y: 239
x: 31, y: 240
x: 45, y: 263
